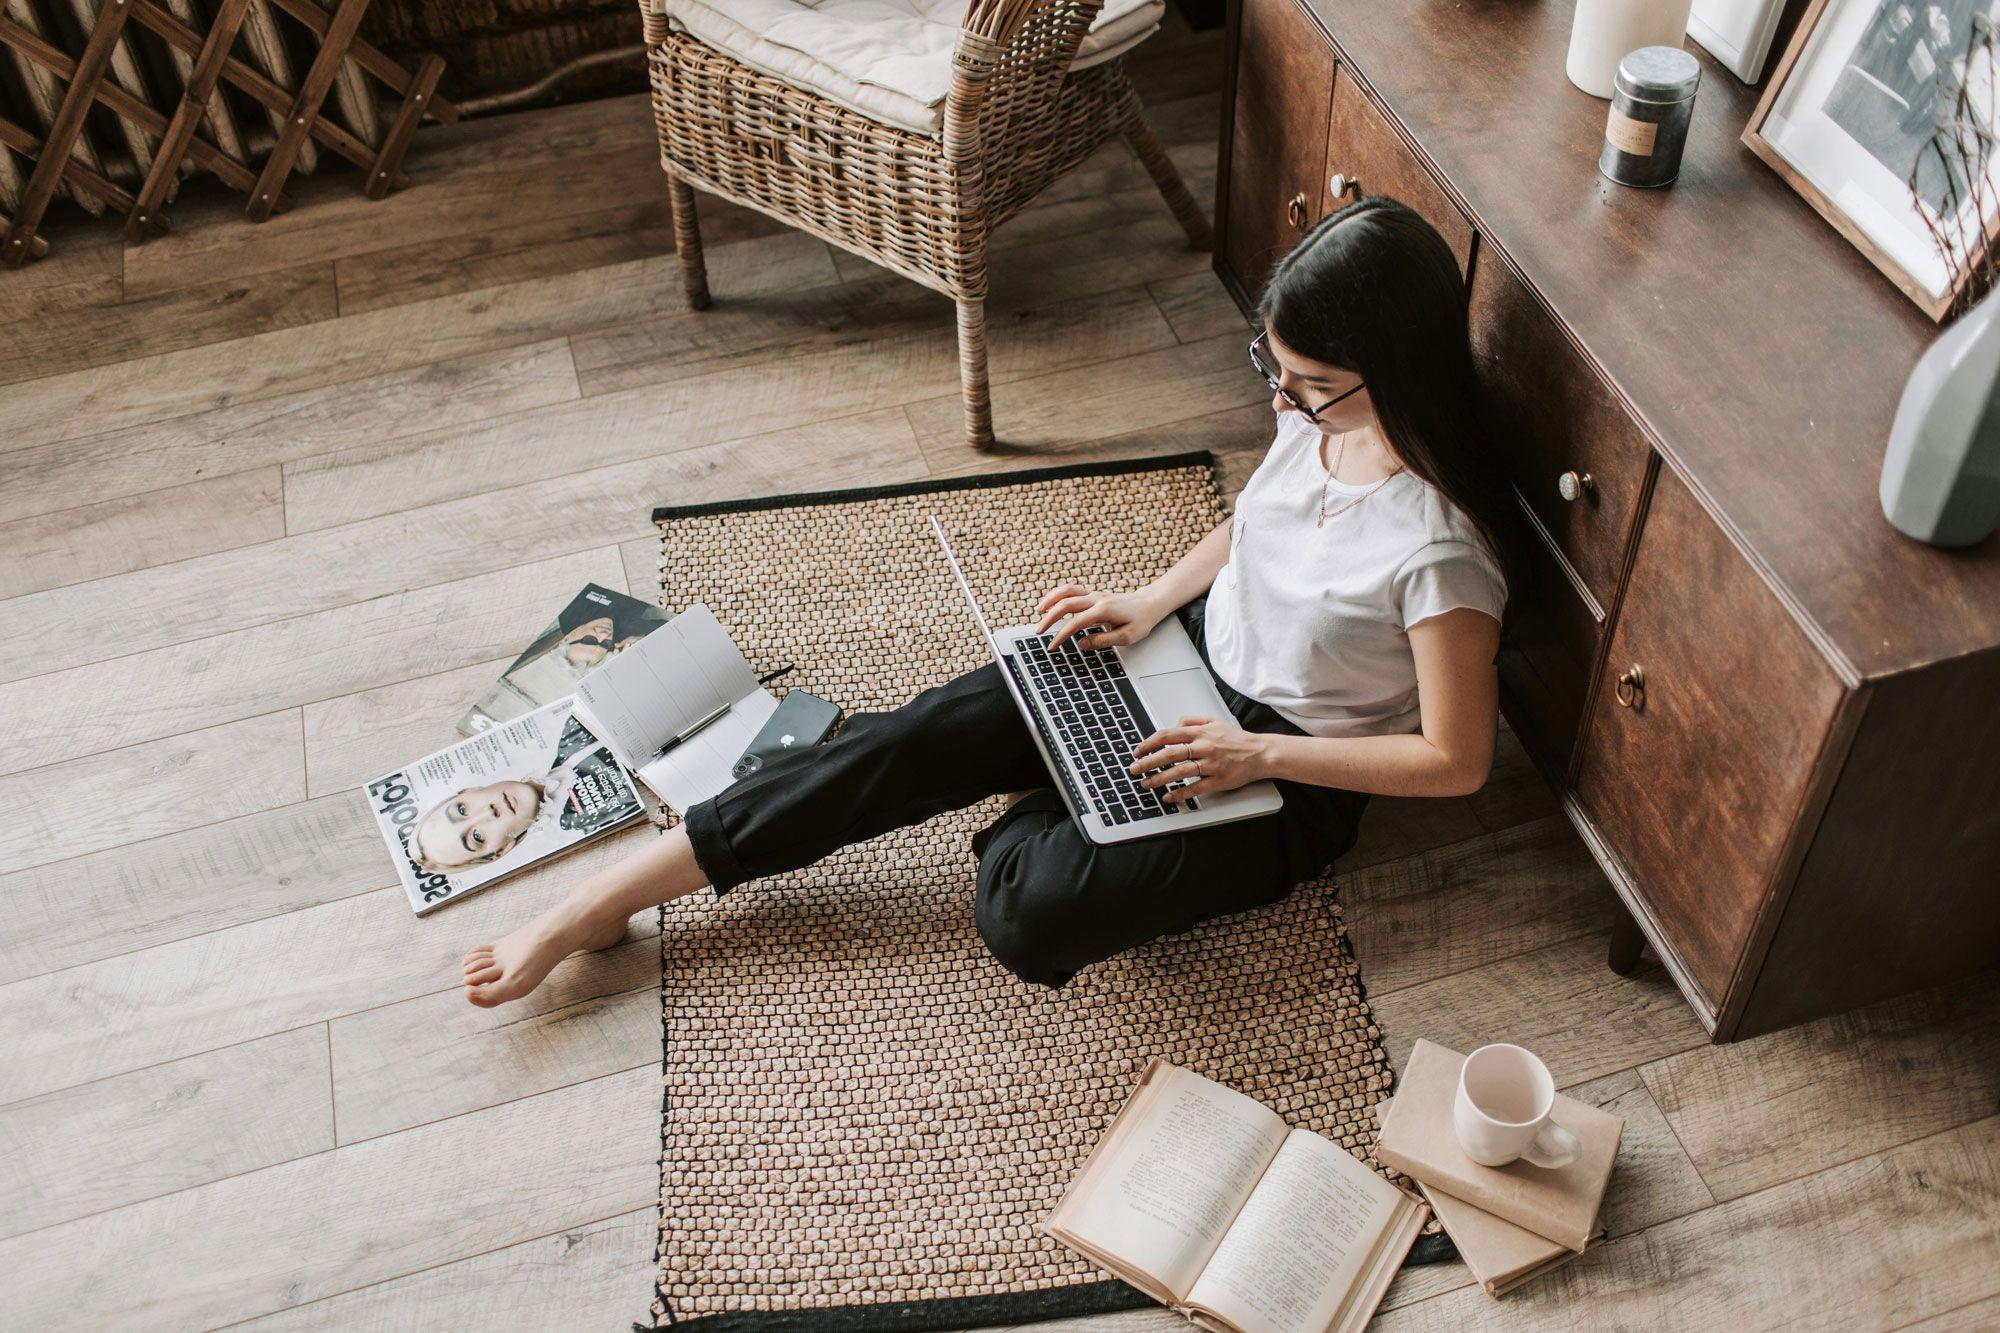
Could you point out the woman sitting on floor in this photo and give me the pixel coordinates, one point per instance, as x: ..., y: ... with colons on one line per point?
x: 1362, y: 575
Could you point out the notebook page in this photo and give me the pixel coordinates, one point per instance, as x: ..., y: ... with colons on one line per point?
x: 699, y: 767
x: 1300, y: 1244
x: 1160, y: 1192
x: 680, y: 673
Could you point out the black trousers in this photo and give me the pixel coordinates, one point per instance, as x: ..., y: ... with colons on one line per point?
x: 1050, y: 902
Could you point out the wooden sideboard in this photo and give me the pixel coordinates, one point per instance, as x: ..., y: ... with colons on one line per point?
x: 1774, y: 719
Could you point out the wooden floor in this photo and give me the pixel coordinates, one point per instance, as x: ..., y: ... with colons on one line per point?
x: 276, y: 501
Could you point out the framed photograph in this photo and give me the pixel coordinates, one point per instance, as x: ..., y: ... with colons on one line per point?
x: 1737, y: 32
x: 1852, y: 117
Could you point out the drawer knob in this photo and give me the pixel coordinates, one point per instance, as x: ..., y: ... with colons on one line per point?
x: 1631, y: 689
x: 1295, y: 211
x: 1573, y: 485
x: 1340, y: 184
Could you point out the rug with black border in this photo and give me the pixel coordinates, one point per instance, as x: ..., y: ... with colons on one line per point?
x: 863, y: 1114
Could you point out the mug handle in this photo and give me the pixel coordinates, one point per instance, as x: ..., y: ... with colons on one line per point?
x: 1552, y: 1146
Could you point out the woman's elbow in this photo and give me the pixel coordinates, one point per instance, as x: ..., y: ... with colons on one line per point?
x: 1467, y: 776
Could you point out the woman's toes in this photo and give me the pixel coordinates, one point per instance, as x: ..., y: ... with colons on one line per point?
x: 479, y: 996
x: 487, y: 971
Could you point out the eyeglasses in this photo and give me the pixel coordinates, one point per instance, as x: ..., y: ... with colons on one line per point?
x: 1292, y: 400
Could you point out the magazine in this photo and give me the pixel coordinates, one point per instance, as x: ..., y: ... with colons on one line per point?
x: 596, y: 624
x: 512, y: 797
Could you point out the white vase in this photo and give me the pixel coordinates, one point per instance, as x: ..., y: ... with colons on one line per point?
x: 1604, y: 32
x: 1941, y: 475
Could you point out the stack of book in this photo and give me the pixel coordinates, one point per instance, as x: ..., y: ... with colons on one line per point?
x: 1510, y: 1223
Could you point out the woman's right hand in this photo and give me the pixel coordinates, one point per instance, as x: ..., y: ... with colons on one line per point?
x: 1124, y: 617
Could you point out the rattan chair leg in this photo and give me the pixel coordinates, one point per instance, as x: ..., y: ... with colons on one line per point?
x: 1139, y: 134
x: 972, y: 374
x: 687, y: 240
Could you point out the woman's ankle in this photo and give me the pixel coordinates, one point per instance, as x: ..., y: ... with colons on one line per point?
x: 585, y: 913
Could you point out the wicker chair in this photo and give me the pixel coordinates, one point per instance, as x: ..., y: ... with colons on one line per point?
x: 1015, y: 118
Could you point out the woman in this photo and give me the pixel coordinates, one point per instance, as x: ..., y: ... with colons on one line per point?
x: 1350, y: 613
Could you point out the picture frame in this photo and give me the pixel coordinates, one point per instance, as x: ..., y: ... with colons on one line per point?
x: 1737, y: 33
x: 1850, y: 106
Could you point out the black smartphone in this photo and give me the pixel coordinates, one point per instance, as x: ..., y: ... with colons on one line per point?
x: 800, y: 722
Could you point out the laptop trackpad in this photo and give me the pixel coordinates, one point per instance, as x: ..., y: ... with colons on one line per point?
x: 1179, y: 694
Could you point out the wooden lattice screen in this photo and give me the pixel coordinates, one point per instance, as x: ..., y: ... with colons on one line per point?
x: 178, y: 137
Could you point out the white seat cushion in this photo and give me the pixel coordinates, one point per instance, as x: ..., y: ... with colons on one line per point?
x: 890, y: 60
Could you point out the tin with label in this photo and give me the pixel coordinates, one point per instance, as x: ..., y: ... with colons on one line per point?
x: 1652, y: 102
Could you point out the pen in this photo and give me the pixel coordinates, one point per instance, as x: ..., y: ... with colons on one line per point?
x: 694, y: 730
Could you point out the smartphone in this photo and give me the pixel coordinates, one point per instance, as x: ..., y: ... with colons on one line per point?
x: 800, y: 722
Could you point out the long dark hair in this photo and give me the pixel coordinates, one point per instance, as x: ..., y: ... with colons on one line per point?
x: 1373, y: 288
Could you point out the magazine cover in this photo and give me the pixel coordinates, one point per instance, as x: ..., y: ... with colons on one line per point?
x: 597, y: 623
x: 484, y: 808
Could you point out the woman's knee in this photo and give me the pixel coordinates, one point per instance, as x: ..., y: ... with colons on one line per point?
x: 1027, y: 942
x: 1028, y: 906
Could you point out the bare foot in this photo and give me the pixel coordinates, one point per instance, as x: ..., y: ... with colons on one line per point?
x: 517, y: 963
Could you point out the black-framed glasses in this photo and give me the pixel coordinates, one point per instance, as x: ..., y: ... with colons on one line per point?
x: 1292, y: 400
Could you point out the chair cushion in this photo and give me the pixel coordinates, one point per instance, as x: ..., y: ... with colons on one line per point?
x: 890, y: 60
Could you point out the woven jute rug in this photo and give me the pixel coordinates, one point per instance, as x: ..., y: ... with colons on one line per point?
x: 864, y: 1115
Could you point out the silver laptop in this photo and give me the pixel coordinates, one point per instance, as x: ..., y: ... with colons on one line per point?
x: 1088, y: 709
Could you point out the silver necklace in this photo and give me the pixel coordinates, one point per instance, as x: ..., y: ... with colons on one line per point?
x: 1339, y: 453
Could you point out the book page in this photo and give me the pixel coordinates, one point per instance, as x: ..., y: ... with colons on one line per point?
x: 1161, y: 1190
x: 1302, y: 1241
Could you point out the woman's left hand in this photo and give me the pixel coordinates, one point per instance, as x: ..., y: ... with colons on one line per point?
x: 1211, y: 756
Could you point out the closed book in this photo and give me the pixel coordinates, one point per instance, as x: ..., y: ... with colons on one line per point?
x: 1559, y: 1204
x: 1501, y: 1255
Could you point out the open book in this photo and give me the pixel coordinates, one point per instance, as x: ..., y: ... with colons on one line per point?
x: 1207, y: 1201
x: 679, y: 707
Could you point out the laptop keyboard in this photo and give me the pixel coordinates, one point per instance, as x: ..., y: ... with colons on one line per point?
x: 1097, y: 719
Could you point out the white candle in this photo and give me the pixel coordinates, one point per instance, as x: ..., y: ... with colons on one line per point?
x: 1604, y: 31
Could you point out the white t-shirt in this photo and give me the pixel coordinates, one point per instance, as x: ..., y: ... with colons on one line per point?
x: 1314, y: 621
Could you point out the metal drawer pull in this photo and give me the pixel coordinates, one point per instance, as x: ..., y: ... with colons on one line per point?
x: 1573, y: 485
x: 1340, y: 183
x: 1632, y: 689
x: 1295, y: 211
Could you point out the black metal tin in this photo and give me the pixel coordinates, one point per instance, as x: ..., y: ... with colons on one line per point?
x: 1651, y: 105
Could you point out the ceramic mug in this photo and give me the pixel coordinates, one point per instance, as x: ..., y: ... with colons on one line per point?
x: 1502, y: 1109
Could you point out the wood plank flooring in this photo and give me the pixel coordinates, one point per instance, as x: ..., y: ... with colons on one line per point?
x: 276, y: 501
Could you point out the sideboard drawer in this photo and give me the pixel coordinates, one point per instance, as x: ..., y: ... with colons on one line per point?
x: 1277, y: 146
x: 1545, y: 662
x: 1710, y: 715
x: 1579, y: 460
x: 1365, y: 155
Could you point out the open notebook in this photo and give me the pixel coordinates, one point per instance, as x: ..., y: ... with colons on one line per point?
x: 1207, y: 1201
x: 646, y: 698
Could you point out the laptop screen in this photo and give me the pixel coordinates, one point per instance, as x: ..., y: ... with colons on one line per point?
x: 963, y: 586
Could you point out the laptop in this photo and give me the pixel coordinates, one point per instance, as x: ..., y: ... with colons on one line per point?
x: 1088, y: 709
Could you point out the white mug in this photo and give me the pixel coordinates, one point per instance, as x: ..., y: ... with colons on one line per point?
x: 1502, y: 1109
